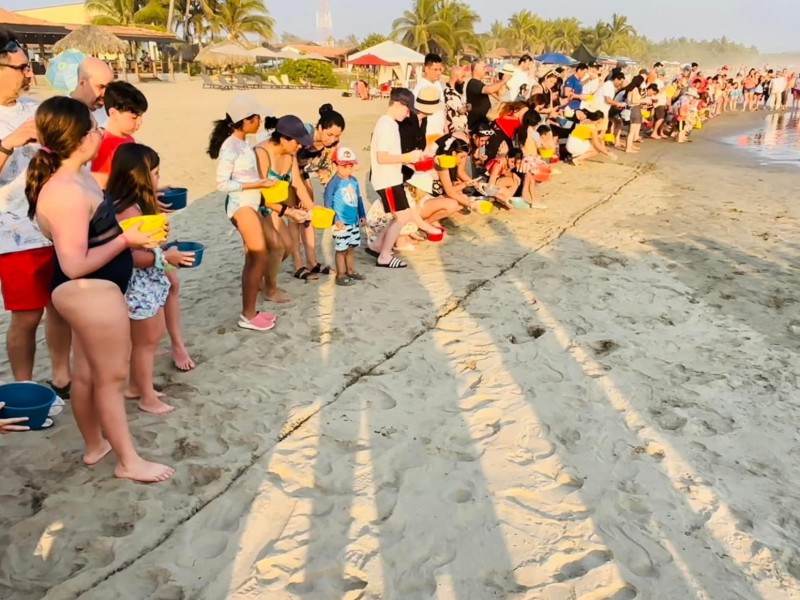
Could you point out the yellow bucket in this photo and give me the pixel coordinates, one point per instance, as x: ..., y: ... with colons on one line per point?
x: 547, y: 153
x: 149, y: 224
x: 590, y: 98
x: 321, y: 217
x: 610, y: 138
x: 699, y: 125
x: 447, y: 162
x: 484, y: 206
x: 277, y: 193
x: 646, y: 114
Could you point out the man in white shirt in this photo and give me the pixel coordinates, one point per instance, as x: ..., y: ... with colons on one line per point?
x: 431, y: 77
x: 777, y: 87
x: 93, y: 77
x: 26, y: 256
x: 517, y: 77
x: 591, y: 83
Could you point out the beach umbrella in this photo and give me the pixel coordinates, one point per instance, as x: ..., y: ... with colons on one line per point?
x: 554, y: 58
x: 370, y: 60
x: 92, y: 40
x: 225, y: 54
x: 62, y: 72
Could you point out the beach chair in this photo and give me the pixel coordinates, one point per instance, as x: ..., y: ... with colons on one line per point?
x: 223, y: 83
x: 288, y: 84
x: 255, y: 81
x: 240, y: 83
x: 208, y: 83
x: 273, y: 81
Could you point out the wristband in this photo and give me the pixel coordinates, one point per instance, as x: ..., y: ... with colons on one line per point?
x: 5, y: 150
x: 283, y: 210
x: 159, y: 254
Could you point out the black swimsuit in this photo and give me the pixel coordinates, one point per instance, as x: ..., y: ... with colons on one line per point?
x: 103, y: 228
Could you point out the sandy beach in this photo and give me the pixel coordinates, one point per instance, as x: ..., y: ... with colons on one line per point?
x: 594, y: 402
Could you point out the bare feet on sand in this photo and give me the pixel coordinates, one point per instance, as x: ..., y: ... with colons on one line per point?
x: 153, y: 404
x: 133, y: 394
x: 181, y: 359
x: 278, y: 295
x: 92, y: 456
x: 144, y: 472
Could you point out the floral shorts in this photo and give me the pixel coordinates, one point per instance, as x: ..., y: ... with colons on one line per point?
x: 349, y: 237
x: 147, y: 293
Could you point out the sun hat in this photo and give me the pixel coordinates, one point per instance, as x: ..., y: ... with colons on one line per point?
x: 508, y: 69
x: 421, y: 181
x: 246, y: 105
x: 293, y: 128
x: 429, y: 101
x: 403, y: 96
x: 344, y: 156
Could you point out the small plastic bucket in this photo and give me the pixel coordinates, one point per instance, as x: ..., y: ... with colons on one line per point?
x: 436, y: 237
x: 195, y: 247
x: 149, y: 224
x: 541, y: 177
x: 426, y: 164
x: 547, y: 153
x: 277, y: 193
x: 322, y: 218
x: 447, y: 161
x: 610, y: 138
x: 519, y: 203
x: 484, y: 206
x: 26, y: 399
x: 175, y: 198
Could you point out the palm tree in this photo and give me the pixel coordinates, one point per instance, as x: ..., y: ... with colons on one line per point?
x: 112, y: 12
x: 595, y: 38
x: 520, y: 28
x: 496, y: 37
x: 618, y: 30
x: 461, y: 19
x: 237, y: 18
x: 566, y: 35
x: 424, y: 27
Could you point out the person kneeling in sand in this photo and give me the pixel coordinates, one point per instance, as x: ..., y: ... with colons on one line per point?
x: 584, y: 142
x: 343, y: 195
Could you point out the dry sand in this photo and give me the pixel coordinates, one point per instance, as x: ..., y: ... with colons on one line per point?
x: 595, y: 402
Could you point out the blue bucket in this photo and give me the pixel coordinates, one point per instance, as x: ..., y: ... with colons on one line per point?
x: 195, y: 247
x: 176, y: 198
x: 26, y: 399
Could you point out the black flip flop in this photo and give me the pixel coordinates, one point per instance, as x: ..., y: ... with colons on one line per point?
x: 61, y: 392
x: 302, y: 273
x: 395, y: 263
x: 320, y: 270
x: 372, y: 252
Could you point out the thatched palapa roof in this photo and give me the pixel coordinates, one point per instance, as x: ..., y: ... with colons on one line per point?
x: 92, y: 40
x: 226, y: 53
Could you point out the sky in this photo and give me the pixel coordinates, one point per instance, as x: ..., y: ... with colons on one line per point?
x: 772, y: 25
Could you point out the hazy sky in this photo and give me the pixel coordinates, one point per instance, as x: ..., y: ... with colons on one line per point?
x: 772, y: 25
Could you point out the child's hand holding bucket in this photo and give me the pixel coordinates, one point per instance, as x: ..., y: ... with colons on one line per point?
x: 174, y: 256
x: 138, y: 239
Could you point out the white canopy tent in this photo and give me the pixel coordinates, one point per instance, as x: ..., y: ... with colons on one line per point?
x: 404, y: 58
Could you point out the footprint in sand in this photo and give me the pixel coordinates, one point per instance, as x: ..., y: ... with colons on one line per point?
x: 486, y: 423
x: 635, y: 549
x: 532, y: 445
x: 575, y: 569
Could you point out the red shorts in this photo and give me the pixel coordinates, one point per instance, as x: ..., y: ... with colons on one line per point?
x: 26, y: 277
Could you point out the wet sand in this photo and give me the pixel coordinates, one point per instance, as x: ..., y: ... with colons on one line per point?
x: 598, y: 401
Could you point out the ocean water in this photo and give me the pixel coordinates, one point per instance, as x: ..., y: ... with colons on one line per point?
x: 776, y: 141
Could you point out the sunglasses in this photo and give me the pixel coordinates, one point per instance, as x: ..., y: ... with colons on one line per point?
x: 11, y: 46
x: 20, y: 68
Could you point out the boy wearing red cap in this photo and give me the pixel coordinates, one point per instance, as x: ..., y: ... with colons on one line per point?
x: 343, y: 195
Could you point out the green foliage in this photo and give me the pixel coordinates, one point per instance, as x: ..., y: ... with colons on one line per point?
x: 446, y: 27
x: 373, y: 39
x: 313, y: 71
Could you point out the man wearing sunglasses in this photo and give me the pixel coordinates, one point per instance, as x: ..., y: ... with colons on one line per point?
x: 26, y: 256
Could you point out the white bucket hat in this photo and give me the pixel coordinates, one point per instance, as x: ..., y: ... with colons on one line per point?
x: 246, y: 105
x: 421, y: 181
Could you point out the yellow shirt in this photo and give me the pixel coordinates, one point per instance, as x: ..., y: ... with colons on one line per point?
x: 583, y: 132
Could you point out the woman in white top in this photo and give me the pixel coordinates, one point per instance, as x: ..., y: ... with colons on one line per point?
x: 237, y: 176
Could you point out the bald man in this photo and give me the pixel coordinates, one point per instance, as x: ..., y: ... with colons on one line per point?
x: 93, y: 77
